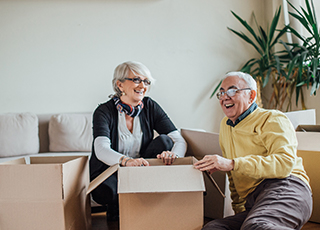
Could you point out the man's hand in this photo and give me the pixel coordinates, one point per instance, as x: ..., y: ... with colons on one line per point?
x: 214, y: 163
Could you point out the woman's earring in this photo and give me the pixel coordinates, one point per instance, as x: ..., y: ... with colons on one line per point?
x: 123, y: 93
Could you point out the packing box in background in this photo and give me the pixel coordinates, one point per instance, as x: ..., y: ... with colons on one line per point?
x: 49, y: 193
x: 201, y: 143
x: 159, y: 196
x: 309, y: 149
x: 305, y: 117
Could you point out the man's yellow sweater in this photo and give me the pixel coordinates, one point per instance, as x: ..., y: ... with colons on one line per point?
x: 263, y: 145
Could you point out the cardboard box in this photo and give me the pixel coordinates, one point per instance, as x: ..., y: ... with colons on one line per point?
x: 159, y: 196
x: 304, y: 117
x: 49, y: 193
x: 309, y: 149
x: 308, y: 137
x: 201, y: 143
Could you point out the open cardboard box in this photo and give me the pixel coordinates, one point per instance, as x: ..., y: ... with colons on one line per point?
x: 49, y: 193
x: 159, y: 196
x: 201, y: 143
x: 309, y: 149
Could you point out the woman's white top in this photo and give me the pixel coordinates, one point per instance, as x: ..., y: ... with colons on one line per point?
x: 129, y: 143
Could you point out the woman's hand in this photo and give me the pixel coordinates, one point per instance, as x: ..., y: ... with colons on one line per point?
x: 129, y: 162
x: 214, y: 163
x: 167, y: 157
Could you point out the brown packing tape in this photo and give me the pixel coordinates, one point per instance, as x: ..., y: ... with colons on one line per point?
x: 214, y: 183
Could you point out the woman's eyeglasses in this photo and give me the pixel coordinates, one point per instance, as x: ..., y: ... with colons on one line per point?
x: 138, y: 80
x: 230, y: 92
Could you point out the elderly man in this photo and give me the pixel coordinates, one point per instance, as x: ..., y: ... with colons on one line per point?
x: 269, y: 186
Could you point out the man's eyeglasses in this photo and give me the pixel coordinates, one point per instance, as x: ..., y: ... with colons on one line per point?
x: 230, y: 92
x: 138, y: 80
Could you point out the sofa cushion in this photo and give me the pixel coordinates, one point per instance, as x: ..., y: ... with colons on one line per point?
x: 70, y: 132
x: 18, y: 134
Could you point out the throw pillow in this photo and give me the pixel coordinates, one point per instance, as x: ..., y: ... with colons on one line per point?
x: 70, y: 133
x: 18, y: 134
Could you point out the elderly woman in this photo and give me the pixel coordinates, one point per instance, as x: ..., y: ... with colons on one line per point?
x: 123, y: 132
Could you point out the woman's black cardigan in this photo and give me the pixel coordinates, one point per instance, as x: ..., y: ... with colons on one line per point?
x: 105, y: 123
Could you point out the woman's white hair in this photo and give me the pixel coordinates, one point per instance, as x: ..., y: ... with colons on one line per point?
x: 122, y: 71
x: 251, y: 83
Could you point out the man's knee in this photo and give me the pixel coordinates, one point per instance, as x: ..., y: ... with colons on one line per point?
x: 216, y: 224
x: 262, y: 224
x: 255, y: 224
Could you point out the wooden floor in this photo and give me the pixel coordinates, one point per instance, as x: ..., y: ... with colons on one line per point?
x: 99, y: 222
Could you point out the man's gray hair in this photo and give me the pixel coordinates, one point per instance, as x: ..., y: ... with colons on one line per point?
x: 251, y: 83
x: 122, y: 71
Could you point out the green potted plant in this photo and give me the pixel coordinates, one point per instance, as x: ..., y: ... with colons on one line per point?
x: 287, y: 70
x: 303, y: 66
x: 268, y: 63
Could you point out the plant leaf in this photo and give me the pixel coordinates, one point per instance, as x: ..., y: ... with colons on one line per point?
x: 247, y: 39
x: 216, y: 89
x: 273, y: 26
x: 302, y: 20
x: 247, y: 26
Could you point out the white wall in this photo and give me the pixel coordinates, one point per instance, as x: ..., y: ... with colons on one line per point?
x: 59, y: 56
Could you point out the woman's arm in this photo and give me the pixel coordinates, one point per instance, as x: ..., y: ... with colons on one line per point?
x: 104, y: 152
x: 110, y: 157
x: 179, y: 144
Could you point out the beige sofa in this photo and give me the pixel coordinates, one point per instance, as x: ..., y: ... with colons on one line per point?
x: 28, y: 134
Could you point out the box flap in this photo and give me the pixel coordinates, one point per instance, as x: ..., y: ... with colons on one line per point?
x: 19, y: 161
x: 308, y: 137
x: 214, y: 183
x: 185, y: 178
x: 306, y: 117
x: 76, y: 168
x: 102, y: 177
x: 308, y: 128
x: 187, y: 161
x: 178, y: 161
x: 308, y: 141
x: 52, y: 159
x: 201, y: 143
x: 153, y: 162
x: 162, y: 178
x: 33, y: 180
